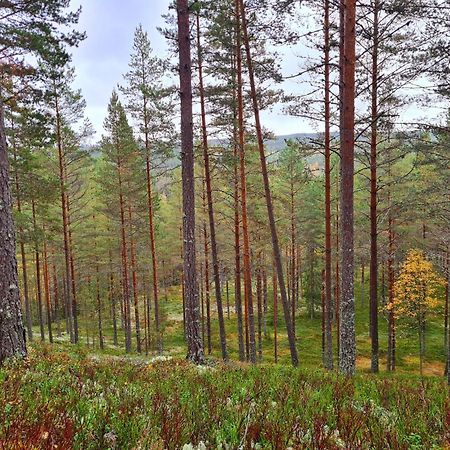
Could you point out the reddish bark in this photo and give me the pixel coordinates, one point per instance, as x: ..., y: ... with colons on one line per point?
x: 38, y: 273
x: 207, y: 286
x: 374, y: 198
x: 71, y: 311
x: 47, y: 294
x: 248, y: 294
x: 212, y: 226
x: 275, y: 314
x: 328, y: 349
x: 268, y: 196
x: 135, y: 283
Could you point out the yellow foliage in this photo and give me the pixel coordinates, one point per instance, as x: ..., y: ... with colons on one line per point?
x: 416, y: 287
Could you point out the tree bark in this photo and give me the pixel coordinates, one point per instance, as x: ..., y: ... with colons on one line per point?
x: 207, y: 286
x: 56, y: 301
x: 248, y: 294
x: 391, y: 314
x: 38, y: 273
x: 135, y: 284
x: 48, y: 303
x: 212, y: 226
x: 124, y: 251
x: 62, y: 182
x: 151, y: 228
x: 193, y: 333
x: 99, y: 304
x: 275, y: 314
x: 26, y: 296
x: 74, y: 305
x: 374, y: 198
x: 446, y: 317
x: 265, y: 301
x: 265, y: 176
x: 347, y: 359
x: 328, y: 350
x: 259, y: 303
x: 112, y: 298
x: 237, y: 253
x: 337, y: 294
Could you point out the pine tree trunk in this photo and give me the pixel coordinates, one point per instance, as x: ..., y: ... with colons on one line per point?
x: 124, y: 250
x: 337, y: 295
x: 74, y: 306
x: 265, y: 302
x: 347, y: 359
x: 446, y: 317
x: 447, y: 282
x: 112, y: 299
x: 292, y: 258
x: 99, y: 304
x: 311, y: 284
x: 248, y: 294
x: 207, y: 287
x: 275, y: 243
x: 62, y: 182
x: 26, y: 296
x: 193, y: 333
x: 159, y: 342
x: 275, y: 314
x: 56, y: 300
x: 146, y: 316
x: 297, y: 277
x: 202, y: 303
x: 227, y: 290
x: 38, y: 273
x: 391, y: 360
x: 237, y: 238
x: 135, y: 283
x: 259, y: 303
x: 12, y: 332
x: 212, y: 226
x: 322, y: 297
x: 328, y: 350
x: 374, y: 198
x: 47, y: 294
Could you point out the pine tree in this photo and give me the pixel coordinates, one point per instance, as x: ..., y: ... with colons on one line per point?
x: 150, y: 104
x: 193, y: 333
x: 27, y: 28
x: 120, y: 154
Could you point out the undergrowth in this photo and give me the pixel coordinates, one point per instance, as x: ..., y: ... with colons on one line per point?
x: 60, y: 400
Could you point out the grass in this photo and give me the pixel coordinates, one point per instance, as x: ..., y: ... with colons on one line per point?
x: 309, y: 337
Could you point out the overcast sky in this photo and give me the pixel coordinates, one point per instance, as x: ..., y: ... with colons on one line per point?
x: 102, y: 58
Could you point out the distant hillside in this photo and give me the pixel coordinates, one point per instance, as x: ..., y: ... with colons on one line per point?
x: 280, y: 141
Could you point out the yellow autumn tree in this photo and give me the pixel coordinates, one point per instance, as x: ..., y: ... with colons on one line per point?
x: 416, y: 294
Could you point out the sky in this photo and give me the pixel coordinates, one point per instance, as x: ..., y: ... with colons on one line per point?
x: 102, y: 59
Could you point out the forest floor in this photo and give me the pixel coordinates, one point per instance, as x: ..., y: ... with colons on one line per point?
x: 308, y: 336
x: 65, y: 396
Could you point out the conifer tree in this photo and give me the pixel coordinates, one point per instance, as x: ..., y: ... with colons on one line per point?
x: 192, y: 312
x: 26, y: 28
x: 150, y: 104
